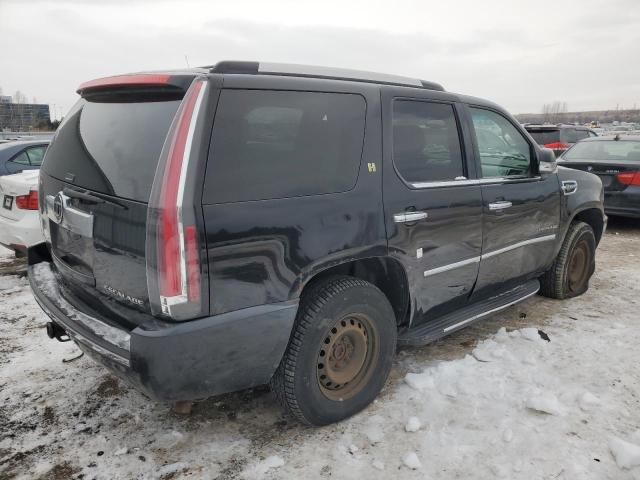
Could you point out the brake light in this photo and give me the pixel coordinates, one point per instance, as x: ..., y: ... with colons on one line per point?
x: 126, y: 81
x: 28, y: 202
x: 557, y: 146
x: 173, y: 258
x: 629, y: 178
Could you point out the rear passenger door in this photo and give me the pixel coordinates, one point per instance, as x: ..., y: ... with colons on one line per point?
x: 432, y: 204
x: 521, y: 207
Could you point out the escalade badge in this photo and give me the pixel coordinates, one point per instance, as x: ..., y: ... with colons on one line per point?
x: 589, y: 168
x: 123, y: 296
x: 58, y: 207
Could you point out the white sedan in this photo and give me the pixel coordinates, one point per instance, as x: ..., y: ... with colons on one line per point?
x: 19, y: 216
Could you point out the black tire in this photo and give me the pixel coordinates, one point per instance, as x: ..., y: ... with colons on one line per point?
x: 336, y: 312
x: 573, y: 267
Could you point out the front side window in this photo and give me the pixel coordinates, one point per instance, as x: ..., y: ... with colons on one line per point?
x: 279, y: 144
x: 426, y: 143
x: 504, y: 152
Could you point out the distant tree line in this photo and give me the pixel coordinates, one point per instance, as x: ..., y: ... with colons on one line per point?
x: 558, y: 112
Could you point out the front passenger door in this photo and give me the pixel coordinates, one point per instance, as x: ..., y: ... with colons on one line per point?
x: 521, y: 209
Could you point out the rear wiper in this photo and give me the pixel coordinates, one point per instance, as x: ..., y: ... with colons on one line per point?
x: 91, y: 197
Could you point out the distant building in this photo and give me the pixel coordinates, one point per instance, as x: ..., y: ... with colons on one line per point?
x: 20, y: 117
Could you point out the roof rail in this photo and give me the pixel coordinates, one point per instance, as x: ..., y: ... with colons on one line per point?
x: 290, y: 69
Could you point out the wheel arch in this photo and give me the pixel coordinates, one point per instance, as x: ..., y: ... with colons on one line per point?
x: 384, y: 272
x: 593, y: 217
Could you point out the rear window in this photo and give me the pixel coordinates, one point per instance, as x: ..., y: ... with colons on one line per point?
x: 278, y: 144
x: 544, y: 137
x: 111, y: 148
x: 604, y: 150
x: 573, y: 135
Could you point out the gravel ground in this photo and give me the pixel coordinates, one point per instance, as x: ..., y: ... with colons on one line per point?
x: 486, y: 402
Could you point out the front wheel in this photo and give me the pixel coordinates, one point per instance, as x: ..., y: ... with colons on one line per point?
x: 340, y: 352
x: 573, y: 267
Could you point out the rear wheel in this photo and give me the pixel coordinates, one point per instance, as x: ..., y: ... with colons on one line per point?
x: 573, y: 267
x: 340, y: 352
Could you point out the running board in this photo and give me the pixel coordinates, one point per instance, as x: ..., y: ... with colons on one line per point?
x: 433, y: 330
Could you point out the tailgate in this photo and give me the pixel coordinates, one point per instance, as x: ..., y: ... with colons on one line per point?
x: 96, y: 182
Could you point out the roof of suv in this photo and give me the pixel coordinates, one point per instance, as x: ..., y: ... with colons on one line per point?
x: 290, y: 69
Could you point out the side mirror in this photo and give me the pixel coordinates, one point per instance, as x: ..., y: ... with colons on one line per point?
x: 546, y: 161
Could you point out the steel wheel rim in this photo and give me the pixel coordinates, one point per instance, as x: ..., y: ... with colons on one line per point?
x: 578, y: 266
x: 344, y: 360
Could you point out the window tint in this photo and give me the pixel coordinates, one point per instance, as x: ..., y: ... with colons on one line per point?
x: 545, y: 137
x: 111, y: 147
x: 503, y: 149
x: 278, y: 144
x: 35, y: 155
x: 22, y: 158
x: 426, y: 145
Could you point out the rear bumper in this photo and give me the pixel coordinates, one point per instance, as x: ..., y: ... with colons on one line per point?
x: 177, y: 361
x: 21, y: 234
x: 625, y: 203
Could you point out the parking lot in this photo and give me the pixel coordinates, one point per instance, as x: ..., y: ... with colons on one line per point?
x: 487, y: 402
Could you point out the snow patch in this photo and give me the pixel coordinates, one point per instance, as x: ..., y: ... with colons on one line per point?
x: 413, y: 424
x: 420, y: 381
x: 411, y: 460
x: 545, y: 402
x: 627, y: 454
x: 588, y: 400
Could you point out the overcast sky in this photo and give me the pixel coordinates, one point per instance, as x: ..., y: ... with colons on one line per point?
x: 520, y: 54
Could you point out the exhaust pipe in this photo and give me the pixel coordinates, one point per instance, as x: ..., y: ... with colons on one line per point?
x: 56, y: 331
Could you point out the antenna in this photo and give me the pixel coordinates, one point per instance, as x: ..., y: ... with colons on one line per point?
x: 186, y: 59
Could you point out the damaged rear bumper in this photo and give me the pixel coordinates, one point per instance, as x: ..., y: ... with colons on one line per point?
x: 176, y: 361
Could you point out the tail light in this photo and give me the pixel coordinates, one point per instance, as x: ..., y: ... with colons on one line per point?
x: 173, y: 246
x: 629, y: 178
x: 28, y: 202
x: 557, y: 146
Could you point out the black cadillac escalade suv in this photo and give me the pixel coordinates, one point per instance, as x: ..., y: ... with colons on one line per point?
x: 247, y: 223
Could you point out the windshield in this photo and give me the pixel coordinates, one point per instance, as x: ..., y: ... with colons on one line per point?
x: 615, y: 150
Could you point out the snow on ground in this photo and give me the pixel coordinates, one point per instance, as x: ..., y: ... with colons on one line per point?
x: 493, y: 401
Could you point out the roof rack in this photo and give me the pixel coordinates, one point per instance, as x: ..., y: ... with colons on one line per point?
x: 294, y: 70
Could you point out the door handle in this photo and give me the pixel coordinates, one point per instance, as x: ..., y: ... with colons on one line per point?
x: 409, y: 217
x: 501, y: 205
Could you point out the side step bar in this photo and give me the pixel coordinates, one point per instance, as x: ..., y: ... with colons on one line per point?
x: 433, y: 330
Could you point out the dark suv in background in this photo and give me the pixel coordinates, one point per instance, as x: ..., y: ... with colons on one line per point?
x: 247, y: 223
x: 558, y: 137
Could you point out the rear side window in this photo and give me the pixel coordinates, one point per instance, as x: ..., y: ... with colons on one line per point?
x: 22, y: 158
x: 279, y: 144
x: 426, y: 144
x: 111, y: 147
x: 35, y: 155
